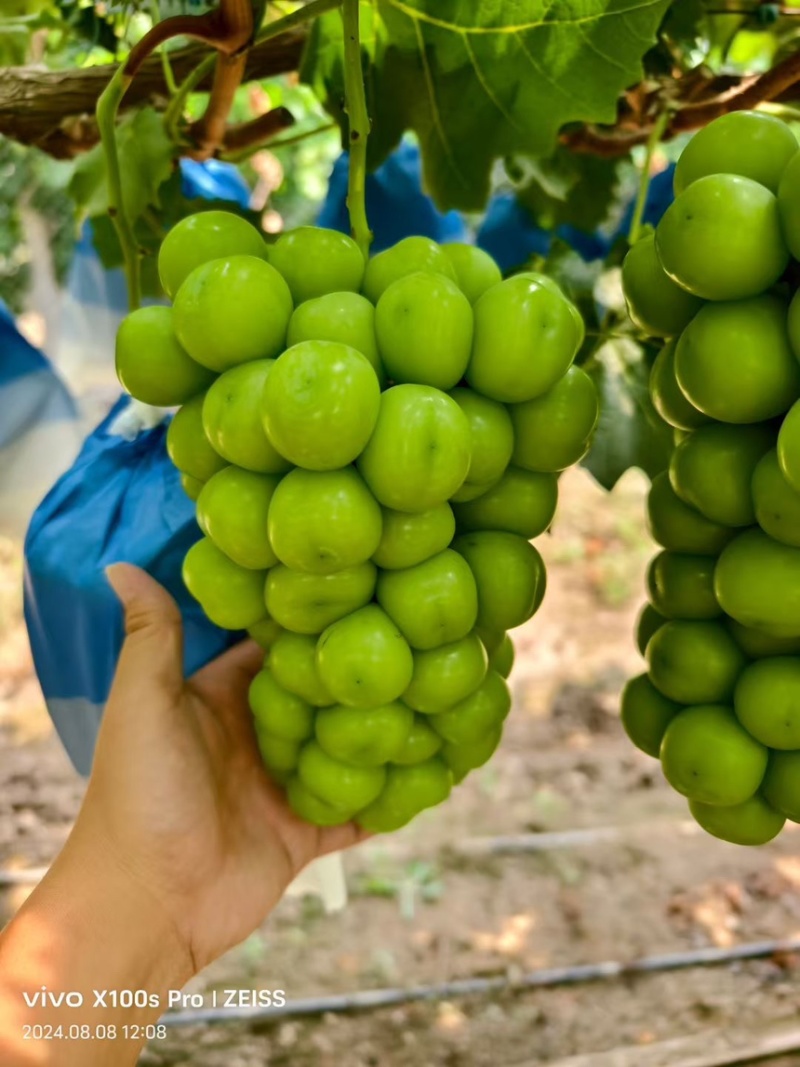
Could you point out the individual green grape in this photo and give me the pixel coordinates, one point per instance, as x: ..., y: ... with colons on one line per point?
x: 339, y: 785
x: 657, y: 304
x: 231, y: 596
x: 309, y: 807
x: 151, y: 364
x: 408, y: 539
x: 215, y: 337
x: 232, y: 510
x: 198, y: 239
x: 308, y: 603
x: 461, y: 759
x: 721, y: 238
x: 682, y: 587
x: 678, y: 526
x: 733, y: 361
x: 713, y: 468
x: 323, y: 521
x: 753, y: 822
x: 433, y: 603
x: 419, y: 452
x: 320, y: 403
x: 757, y: 582
x: 279, y: 756
x: 668, y: 397
x: 191, y: 486
x: 789, y: 204
x: 316, y: 261
x: 421, y: 744
x: 767, y: 701
x: 232, y: 419
x: 522, y: 502
x: 187, y: 445
x: 554, y: 431
x: 518, y: 317
x: 407, y: 792
x: 502, y: 659
x: 694, y: 662
x: 265, y: 633
x: 776, y: 502
x: 475, y: 269
x: 748, y: 143
x: 481, y: 712
x: 407, y: 256
x: 649, y: 622
x: 279, y: 712
x: 423, y: 323
x: 293, y: 662
x: 757, y: 643
x: 345, y: 318
x: 781, y: 785
x: 646, y: 714
x: 446, y: 675
x: 708, y: 757
x: 492, y: 438
x: 509, y: 575
x: 364, y: 737
x: 364, y: 660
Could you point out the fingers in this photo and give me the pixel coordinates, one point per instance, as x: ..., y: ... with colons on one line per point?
x: 337, y: 838
x: 153, y: 648
x: 224, y: 683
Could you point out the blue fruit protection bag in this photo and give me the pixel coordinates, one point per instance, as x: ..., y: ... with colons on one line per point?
x: 120, y: 501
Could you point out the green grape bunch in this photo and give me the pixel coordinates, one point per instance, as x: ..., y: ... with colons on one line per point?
x: 720, y: 701
x: 372, y: 447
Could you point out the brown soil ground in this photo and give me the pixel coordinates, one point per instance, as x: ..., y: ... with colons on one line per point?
x: 422, y: 912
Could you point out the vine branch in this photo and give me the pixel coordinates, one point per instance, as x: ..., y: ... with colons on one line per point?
x: 54, y: 110
x: 777, y: 84
x: 358, y: 127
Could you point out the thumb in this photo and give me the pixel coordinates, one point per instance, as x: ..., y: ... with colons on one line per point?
x: 153, y: 648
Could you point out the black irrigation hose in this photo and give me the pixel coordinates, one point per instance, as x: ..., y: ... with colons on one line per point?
x: 371, y: 999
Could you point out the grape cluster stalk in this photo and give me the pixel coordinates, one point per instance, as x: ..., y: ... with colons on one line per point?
x: 372, y: 445
x: 718, y: 281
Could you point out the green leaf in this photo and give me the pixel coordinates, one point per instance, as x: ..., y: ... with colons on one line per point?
x: 567, y: 188
x: 146, y: 159
x: 482, y: 79
x: 629, y: 432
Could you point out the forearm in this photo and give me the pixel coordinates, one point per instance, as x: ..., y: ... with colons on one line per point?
x: 91, y: 959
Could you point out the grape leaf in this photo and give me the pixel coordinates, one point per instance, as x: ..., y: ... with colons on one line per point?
x: 146, y: 160
x: 567, y: 188
x: 481, y: 79
x: 629, y: 432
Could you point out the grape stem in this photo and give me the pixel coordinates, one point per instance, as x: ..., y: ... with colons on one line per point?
x: 358, y: 127
x: 653, y: 142
x: 107, y: 108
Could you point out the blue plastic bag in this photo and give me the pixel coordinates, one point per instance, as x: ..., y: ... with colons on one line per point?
x: 39, y: 430
x: 396, y: 205
x: 121, y: 501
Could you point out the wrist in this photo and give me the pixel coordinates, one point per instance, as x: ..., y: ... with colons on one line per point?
x: 91, y: 931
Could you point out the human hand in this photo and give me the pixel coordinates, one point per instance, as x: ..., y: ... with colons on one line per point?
x: 179, y: 801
